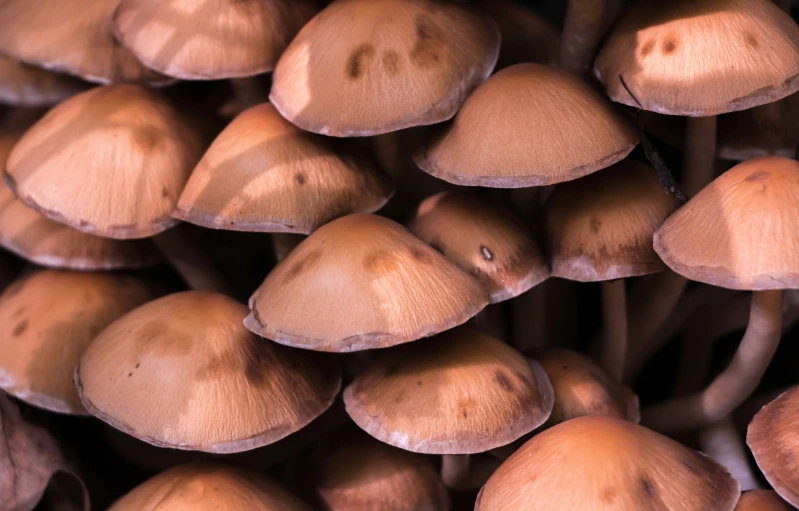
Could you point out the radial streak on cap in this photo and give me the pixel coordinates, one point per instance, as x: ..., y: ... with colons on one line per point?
x: 21, y: 84
x: 761, y: 500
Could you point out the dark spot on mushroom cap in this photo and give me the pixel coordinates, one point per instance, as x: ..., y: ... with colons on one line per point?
x: 138, y: 364
x: 486, y: 253
x: 669, y: 46
x: 400, y: 397
x: 164, y: 192
x: 464, y: 414
x: 359, y: 60
x: 391, y: 62
x: 147, y: 137
x: 503, y: 381
x: 418, y: 253
x: 20, y: 328
x: 19, y: 312
x: 130, y: 374
x: 157, y: 337
x: 303, y: 265
x: 757, y: 176
x: 419, y: 383
x: 751, y: 40
x: 300, y: 179
x: 648, y: 487
x: 595, y: 224
x: 647, y: 48
x: 429, y: 47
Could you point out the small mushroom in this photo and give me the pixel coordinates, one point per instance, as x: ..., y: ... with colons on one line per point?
x: 24, y: 85
x: 761, y: 500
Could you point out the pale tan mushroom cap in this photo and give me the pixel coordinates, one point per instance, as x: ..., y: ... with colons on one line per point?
x: 761, y: 500
x: 183, y: 372
x: 202, y: 39
x: 47, y: 319
x: 600, y: 227
x: 111, y: 162
x: 264, y: 174
x: 605, y: 464
x: 366, y: 67
x: 484, y: 240
x: 25, y: 85
x: 766, y: 130
x: 701, y: 58
x: 739, y: 232
x: 362, y: 282
x: 461, y: 392
x: 209, y: 487
x: 528, y: 125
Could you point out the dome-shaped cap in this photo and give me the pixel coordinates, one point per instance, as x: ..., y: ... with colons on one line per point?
x: 461, y: 392
x: 209, y: 487
x: 739, y: 232
x: 25, y: 85
x: 111, y: 161
x: 219, y: 387
x: 363, y: 474
x: 766, y: 130
x: 701, y: 58
x: 47, y: 319
x: 527, y: 126
x: 362, y: 282
x: 761, y: 500
x: 484, y: 240
x: 600, y: 463
x: 202, y: 40
x: 774, y: 440
x: 365, y: 67
x: 526, y: 35
x: 264, y: 174
x: 72, y: 36
x: 600, y: 227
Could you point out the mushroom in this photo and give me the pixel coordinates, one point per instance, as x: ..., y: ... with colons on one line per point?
x: 604, y: 463
x: 761, y: 500
x: 30, y: 86
x: 526, y: 36
x: 362, y: 282
x: 219, y: 388
x: 525, y: 126
x: 402, y: 63
x: 718, y: 238
x: 600, y: 228
x: 767, y: 130
x: 47, y: 319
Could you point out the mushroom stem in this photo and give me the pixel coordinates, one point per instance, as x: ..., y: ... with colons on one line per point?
x: 284, y: 242
x: 529, y: 318
x: 721, y: 442
x: 248, y: 92
x: 614, y: 321
x: 193, y: 265
x: 462, y: 472
x: 730, y: 388
x: 582, y: 31
x: 700, y: 154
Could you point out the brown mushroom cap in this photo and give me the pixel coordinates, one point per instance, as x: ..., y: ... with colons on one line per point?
x: 366, y: 475
x: 183, y: 372
x: 209, y: 487
x: 72, y: 37
x: 600, y: 227
x: 605, y: 464
x: 761, y: 500
x: 366, y: 67
x: 461, y: 392
x: 47, y: 319
x: 484, y: 240
x: 527, y: 126
x: 766, y: 130
x: 264, y: 174
x: 362, y: 282
x: 701, y: 58
x: 739, y: 232
x: 111, y: 161
x: 526, y: 36
x: 25, y: 85
x: 773, y: 437
x: 202, y: 40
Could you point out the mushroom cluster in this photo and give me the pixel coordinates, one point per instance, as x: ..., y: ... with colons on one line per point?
x: 466, y: 255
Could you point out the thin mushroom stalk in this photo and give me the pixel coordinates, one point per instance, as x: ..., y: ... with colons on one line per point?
x: 721, y: 442
x: 464, y: 472
x: 582, y: 30
x: 248, y: 92
x: 191, y: 262
x: 614, y: 321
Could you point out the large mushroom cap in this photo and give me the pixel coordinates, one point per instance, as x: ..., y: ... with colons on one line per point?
x: 25, y: 85
x: 527, y: 126
x: 773, y: 437
x: 606, y: 464
x: 47, y: 319
x: 739, y: 232
x: 183, y: 372
x: 701, y: 58
x: 365, y: 67
x: 484, y: 240
x: 202, y: 39
x: 461, y: 392
x: 366, y: 475
x: 761, y: 500
x: 766, y: 130
x: 362, y: 282
x: 264, y: 174
x: 111, y: 161
x: 71, y: 36
x: 209, y: 487
x: 600, y: 227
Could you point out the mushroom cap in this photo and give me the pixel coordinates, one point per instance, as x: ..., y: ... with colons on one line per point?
x: 264, y: 174
x: 362, y: 282
x: 462, y: 392
x: 701, y: 58
x: 605, y: 464
x: 208, y: 40
x: 739, y: 232
x: 773, y: 438
x: 219, y: 388
x: 526, y: 126
x: 25, y: 85
x: 581, y: 388
x: 209, y: 487
x: 761, y: 500
x: 72, y: 37
x: 401, y: 63
x: 111, y: 162
x: 766, y: 130
x: 485, y: 240
x: 47, y: 319
x: 600, y: 227
x: 364, y: 474
x: 526, y: 36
